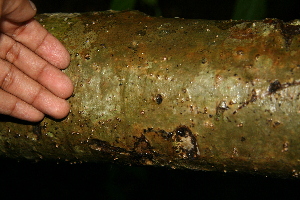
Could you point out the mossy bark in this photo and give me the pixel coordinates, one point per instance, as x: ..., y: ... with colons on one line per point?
x: 195, y: 94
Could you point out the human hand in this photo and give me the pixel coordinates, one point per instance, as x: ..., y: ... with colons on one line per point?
x: 31, y: 82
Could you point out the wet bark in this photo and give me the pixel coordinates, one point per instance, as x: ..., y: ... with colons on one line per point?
x: 194, y: 94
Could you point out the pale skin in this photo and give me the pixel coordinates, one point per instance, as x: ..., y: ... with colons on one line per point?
x: 32, y: 84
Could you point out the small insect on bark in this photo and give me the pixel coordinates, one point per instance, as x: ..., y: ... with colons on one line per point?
x: 158, y: 99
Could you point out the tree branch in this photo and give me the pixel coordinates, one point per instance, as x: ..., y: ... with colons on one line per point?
x: 195, y: 94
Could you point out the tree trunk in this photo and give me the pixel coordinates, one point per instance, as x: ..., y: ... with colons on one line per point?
x: 194, y: 94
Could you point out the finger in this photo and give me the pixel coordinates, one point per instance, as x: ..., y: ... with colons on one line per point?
x: 40, y: 41
x: 13, y: 106
x: 18, y: 10
x: 35, y: 67
x: 17, y: 83
x: 32, y: 34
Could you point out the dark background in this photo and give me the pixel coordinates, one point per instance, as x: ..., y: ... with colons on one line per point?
x: 49, y: 180
x: 200, y: 9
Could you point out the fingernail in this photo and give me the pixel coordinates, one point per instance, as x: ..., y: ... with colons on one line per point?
x: 32, y: 5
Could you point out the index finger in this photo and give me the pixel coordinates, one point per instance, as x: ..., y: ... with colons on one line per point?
x: 39, y: 40
x: 14, y: 23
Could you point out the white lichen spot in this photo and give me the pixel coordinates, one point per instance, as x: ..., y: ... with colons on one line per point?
x: 208, y: 124
x: 285, y: 147
x: 187, y: 143
x: 235, y: 152
x: 135, y: 43
x: 148, y: 162
x: 295, y: 173
x: 296, y: 22
x: 240, y: 125
x: 266, y: 32
x: 223, y: 105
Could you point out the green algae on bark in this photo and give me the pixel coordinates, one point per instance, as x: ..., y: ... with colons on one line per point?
x: 194, y: 94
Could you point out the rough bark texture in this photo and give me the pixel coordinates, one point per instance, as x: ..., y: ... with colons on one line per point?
x: 195, y: 94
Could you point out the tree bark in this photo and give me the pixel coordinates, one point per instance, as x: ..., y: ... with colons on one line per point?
x: 194, y: 94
